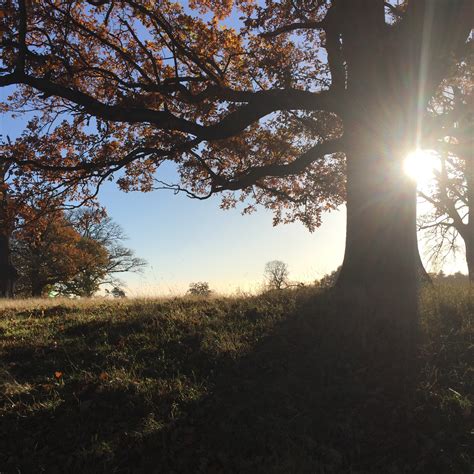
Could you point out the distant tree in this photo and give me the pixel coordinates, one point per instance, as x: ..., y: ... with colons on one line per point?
x: 200, y: 288
x: 72, y: 254
x: 117, y: 292
x: 53, y: 255
x: 85, y: 281
x: 99, y: 231
x: 276, y: 274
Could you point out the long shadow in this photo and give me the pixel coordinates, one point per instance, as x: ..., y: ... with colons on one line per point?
x: 314, y: 396
x: 318, y: 395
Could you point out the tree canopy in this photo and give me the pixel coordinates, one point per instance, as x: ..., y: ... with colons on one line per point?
x: 71, y: 254
x: 243, y: 96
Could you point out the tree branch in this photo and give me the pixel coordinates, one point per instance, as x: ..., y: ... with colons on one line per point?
x: 301, y: 25
x: 260, y: 104
x: 254, y: 174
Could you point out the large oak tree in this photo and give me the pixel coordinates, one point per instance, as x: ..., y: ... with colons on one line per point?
x: 261, y: 108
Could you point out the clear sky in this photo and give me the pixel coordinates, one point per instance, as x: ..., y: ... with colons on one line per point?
x: 186, y: 240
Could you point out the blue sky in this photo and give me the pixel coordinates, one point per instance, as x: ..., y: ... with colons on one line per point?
x: 186, y: 240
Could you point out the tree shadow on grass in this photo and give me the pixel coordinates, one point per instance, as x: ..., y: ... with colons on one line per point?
x: 314, y: 396
x: 321, y: 394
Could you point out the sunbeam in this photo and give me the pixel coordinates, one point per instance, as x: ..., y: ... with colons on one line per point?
x: 421, y: 166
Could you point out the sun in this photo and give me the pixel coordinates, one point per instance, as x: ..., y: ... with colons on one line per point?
x: 421, y: 166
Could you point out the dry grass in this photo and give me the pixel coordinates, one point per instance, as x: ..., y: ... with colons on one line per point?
x: 40, y: 303
x: 275, y: 383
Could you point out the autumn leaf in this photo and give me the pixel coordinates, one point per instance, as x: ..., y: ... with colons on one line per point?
x: 104, y: 376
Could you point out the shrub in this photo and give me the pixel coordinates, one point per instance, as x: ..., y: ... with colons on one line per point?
x: 200, y: 288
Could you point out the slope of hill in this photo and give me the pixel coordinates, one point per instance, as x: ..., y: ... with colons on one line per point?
x: 279, y: 383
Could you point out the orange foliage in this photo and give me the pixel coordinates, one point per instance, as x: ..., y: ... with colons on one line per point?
x: 246, y: 98
x: 49, y: 251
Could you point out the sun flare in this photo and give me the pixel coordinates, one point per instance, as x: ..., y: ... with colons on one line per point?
x: 421, y: 165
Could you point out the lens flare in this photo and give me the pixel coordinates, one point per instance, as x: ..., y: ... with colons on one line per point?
x: 421, y: 166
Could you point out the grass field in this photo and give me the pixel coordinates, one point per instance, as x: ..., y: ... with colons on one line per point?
x: 278, y: 383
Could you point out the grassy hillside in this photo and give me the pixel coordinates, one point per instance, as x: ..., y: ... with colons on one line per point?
x: 280, y: 383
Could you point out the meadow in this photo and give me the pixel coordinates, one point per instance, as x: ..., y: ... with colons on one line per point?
x: 284, y: 382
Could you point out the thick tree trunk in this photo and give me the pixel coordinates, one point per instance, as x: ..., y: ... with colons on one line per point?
x: 37, y: 286
x: 381, y: 253
x: 8, y: 273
